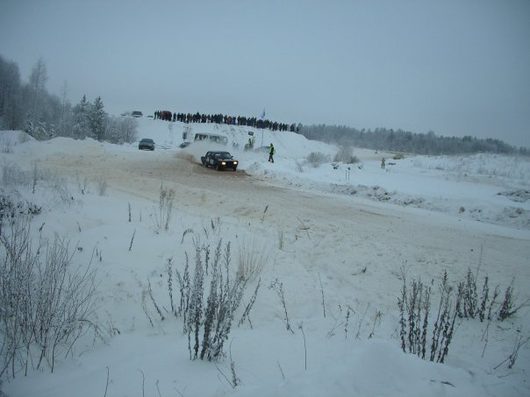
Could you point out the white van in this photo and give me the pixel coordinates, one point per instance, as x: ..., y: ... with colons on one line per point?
x: 203, y: 136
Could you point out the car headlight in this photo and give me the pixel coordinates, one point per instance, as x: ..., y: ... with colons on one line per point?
x: 235, y: 162
x: 223, y: 162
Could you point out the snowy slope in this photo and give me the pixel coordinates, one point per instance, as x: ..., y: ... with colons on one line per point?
x: 342, y: 235
x: 479, y: 187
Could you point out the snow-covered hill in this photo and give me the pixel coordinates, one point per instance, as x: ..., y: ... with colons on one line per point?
x: 337, y: 237
x: 485, y: 187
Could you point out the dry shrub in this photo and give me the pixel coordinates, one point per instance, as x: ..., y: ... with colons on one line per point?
x: 317, y: 158
x: 252, y: 259
x: 345, y: 155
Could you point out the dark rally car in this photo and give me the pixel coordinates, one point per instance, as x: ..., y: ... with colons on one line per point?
x: 146, y: 144
x: 219, y: 160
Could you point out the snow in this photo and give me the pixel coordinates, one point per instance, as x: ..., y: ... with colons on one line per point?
x: 351, y: 228
x: 476, y: 184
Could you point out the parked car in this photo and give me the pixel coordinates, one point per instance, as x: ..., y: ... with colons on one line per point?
x: 136, y: 113
x: 219, y: 160
x: 146, y: 144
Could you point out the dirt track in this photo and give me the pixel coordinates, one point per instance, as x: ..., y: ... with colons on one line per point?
x: 316, y: 226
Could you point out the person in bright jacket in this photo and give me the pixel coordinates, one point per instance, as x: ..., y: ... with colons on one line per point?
x: 271, y: 153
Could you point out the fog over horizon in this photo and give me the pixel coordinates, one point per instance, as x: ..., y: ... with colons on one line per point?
x: 456, y: 68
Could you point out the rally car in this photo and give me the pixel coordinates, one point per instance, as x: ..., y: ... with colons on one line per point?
x: 219, y: 160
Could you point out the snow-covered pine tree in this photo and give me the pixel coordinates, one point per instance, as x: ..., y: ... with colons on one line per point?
x: 97, y: 118
x: 81, y: 126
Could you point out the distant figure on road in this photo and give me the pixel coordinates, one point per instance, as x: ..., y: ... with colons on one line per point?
x: 271, y: 153
x: 383, y: 163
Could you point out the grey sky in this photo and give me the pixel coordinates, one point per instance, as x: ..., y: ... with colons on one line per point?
x: 457, y: 67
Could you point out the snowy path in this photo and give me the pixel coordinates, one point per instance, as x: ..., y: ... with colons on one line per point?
x: 316, y: 226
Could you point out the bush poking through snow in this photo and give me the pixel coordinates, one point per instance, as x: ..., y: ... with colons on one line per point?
x: 11, y: 209
x: 224, y: 298
x: 345, y: 155
x: 486, y: 307
x: 162, y: 216
x: 13, y: 176
x: 277, y: 286
x: 252, y: 260
x: 415, y: 310
x: 507, y: 308
x: 415, y: 305
x: 210, y: 294
x: 45, y: 303
x: 316, y: 159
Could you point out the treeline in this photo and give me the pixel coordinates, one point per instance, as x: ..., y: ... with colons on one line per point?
x: 406, y: 141
x: 29, y: 107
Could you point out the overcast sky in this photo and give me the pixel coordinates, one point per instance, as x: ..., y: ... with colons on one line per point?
x: 457, y: 67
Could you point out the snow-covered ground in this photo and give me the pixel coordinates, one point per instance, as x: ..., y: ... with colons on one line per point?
x: 337, y: 236
x: 485, y: 187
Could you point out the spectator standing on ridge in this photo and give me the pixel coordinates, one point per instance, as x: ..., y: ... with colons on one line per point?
x: 271, y: 153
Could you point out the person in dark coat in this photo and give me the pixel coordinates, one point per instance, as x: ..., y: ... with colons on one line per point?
x: 271, y: 153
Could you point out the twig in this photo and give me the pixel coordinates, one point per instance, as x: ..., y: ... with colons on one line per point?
x: 323, y: 298
x: 281, y: 370
x: 485, y: 337
x: 132, y: 240
x: 347, y: 322
x: 264, y: 212
x: 144, y: 306
x: 150, y: 291
x: 107, y: 385
x: 515, y: 352
x: 301, y: 328
x: 248, y: 308
x: 189, y: 230
x: 143, y: 382
x: 235, y: 380
x: 278, y: 287
x: 158, y: 388
x: 225, y: 377
x: 377, y: 319
x: 304, y: 227
x: 479, y: 261
x: 361, y: 320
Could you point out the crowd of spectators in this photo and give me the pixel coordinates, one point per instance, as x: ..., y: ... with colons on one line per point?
x: 224, y: 119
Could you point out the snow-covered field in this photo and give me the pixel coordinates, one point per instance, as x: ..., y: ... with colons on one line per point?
x: 337, y: 237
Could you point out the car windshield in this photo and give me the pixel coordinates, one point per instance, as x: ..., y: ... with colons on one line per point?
x: 147, y: 140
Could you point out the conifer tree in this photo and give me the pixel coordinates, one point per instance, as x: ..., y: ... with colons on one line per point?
x: 97, y: 117
x: 81, y: 126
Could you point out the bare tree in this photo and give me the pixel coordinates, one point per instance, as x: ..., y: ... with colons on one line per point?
x: 36, y: 93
